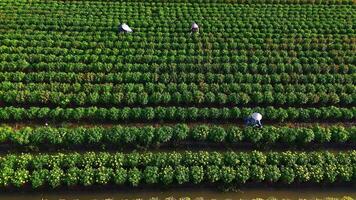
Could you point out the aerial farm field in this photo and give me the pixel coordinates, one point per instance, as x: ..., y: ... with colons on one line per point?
x: 159, y: 112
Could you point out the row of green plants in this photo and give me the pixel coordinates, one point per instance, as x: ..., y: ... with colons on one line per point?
x: 330, y: 29
x: 197, y: 58
x: 175, y: 113
x: 185, y: 158
x: 15, y: 97
x: 248, y: 64
x: 265, y: 41
x: 176, y: 168
x: 93, y: 26
x: 295, y: 25
x: 327, y: 2
x: 74, y: 21
x: 300, y: 52
x: 138, y: 77
x: 309, y: 53
x: 206, y: 51
x: 152, y: 88
x: 264, y: 45
x: 262, y: 22
x: 177, y: 175
x: 148, y: 136
x: 224, y: 68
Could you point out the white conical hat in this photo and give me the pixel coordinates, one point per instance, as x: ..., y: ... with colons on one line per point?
x: 194, y: 25
x: 126, y: 28
x: 256, y: 116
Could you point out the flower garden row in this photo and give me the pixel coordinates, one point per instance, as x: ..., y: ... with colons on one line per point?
x: 148, y: 136
x: 176, y: 168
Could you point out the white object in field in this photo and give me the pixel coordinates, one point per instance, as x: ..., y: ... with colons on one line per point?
x: 256, y: 116
x: 195, y: 27
x: 125, y: 28
x: 46, y: 124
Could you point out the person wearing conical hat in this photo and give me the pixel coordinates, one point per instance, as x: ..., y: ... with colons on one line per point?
x: 195, y: 27
x: 124, y: 28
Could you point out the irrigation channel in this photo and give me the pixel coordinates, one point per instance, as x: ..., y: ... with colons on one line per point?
x: 180, y: 193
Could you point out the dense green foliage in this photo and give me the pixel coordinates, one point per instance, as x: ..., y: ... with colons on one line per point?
x: 38, y: 97
x: 296, y: 53
x: 64, y: 60
x: 148, y: 136
x: 176, y: 168
x: 174, y: 113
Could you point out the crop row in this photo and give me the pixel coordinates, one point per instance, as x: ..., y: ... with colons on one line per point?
x: 199, y: 47
x: 49, y: 98
x: 151, y: 88
x: 264, y: 44
x: 175, y: 113
x: 148, y: 136
x: 338, y: 27
x: 327, y: 25
x: 162, y: 159
x: 181, y: 6
x: 75, y: 11
x: 248, y: 43
x: 176, y: 168
x: 265, y: 41
x: 72, y: 18
x: 253, y: 2
x: 321, y: 28
x: 302, y: 45
x: 191, y: 57
x: 178, y: 59
x: 138, y: 77
x: 223, y: 68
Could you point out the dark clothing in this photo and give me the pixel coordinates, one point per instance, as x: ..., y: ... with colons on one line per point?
x: 252, y: 122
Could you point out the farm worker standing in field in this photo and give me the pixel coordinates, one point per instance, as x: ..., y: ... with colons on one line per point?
x: 254, y: 120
